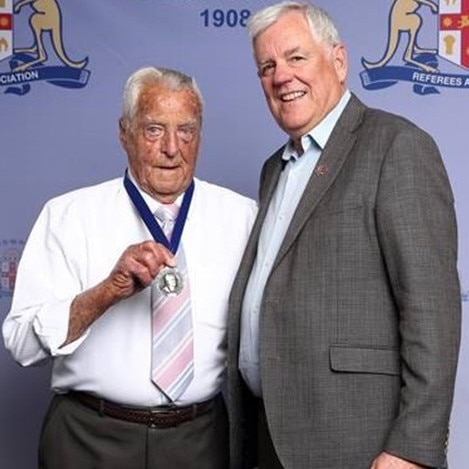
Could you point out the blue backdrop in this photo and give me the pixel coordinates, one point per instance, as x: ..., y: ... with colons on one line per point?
x: 58, y: 125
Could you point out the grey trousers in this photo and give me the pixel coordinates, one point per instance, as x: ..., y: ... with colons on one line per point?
x: 76, y: 437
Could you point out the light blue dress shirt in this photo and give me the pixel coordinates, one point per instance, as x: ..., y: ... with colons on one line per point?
x: 292, y: 182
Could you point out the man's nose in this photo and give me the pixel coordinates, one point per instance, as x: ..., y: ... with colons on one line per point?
x: 170, y: 143
x: 282, y: 73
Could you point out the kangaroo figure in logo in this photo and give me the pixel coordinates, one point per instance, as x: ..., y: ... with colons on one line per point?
x: 46, y: 17
x: 404, y: 19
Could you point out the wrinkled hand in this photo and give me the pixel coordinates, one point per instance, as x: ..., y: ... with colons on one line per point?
x: 135, y: 270
x: 137, y: 267
x: 388, y: 461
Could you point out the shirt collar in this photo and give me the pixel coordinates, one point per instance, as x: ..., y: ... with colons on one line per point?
x: 320, y: 134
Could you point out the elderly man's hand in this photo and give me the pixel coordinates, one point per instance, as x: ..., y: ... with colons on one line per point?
x: 137, y: 267
x: 135, y: 270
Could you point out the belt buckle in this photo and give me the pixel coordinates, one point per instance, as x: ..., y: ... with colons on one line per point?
x: 171, y: 416
x: 160, y: 415
x: 153, y: 418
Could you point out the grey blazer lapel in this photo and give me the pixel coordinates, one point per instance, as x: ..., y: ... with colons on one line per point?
x: 337, y: 149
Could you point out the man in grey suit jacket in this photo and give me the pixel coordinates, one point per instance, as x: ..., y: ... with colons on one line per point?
x: 345, y: 314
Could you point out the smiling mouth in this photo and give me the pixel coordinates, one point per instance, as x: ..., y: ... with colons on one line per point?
x: 294, y: 95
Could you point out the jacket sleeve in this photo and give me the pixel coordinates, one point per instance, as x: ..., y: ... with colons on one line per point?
x: 418, y: 237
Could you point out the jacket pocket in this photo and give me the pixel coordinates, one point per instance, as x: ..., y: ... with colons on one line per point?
x: 350, y: 359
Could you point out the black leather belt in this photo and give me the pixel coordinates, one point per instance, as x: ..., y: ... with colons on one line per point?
x: 156, y: 417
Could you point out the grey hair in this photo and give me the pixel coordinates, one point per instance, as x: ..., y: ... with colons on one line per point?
x: 321, y: 24
x: 173, y: 79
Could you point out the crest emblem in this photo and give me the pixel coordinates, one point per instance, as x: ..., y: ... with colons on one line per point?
x: 453, y: 36
x: 10, y: 252
x: 420, y: 64
x: 45, y: 59
x: 6, y: 29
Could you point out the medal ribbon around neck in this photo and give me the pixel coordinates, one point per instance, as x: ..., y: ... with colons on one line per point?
x: 149, y: 220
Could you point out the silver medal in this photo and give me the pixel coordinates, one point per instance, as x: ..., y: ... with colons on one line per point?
x: 169, y: 281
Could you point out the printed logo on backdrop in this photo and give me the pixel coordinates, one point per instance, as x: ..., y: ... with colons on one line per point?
x: 420, y: 64
x: 10, y: 252
x: 45, y: 58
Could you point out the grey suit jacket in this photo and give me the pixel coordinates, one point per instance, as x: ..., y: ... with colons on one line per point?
x: 360, y: 319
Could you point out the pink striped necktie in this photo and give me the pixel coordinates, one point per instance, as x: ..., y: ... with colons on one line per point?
x: 172, y: 334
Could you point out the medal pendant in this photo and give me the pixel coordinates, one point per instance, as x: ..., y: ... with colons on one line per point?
x: 169, y: 281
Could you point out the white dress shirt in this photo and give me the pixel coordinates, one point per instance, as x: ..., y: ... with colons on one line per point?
x: 74, y: 245
x: 290, y: 188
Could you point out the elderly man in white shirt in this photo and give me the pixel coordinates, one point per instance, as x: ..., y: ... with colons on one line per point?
x: 84, y: 291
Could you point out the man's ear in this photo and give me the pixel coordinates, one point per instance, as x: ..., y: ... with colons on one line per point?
x: 341, y: 62
x: 123, y: 129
